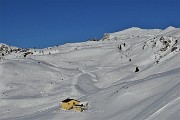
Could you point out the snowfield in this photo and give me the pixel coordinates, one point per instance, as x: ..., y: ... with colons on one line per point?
x: 33, y: 82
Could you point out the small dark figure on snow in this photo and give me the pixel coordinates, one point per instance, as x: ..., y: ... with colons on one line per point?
x: 119, y: 47
x: 137, y: 69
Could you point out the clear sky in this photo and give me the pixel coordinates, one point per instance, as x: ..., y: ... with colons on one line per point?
x: 43, y: 23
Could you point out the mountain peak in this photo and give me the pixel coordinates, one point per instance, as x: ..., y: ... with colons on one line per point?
x: 170, y: 28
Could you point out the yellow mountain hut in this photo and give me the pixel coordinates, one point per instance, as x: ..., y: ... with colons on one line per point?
x: 68, y: 104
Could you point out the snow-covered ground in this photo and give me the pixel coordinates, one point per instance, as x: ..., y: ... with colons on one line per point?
x: 33, y: 82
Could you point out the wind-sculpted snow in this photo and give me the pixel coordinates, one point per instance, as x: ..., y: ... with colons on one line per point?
x: 33, y: 82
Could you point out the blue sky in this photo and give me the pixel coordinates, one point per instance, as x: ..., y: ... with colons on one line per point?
x: 43, y: 23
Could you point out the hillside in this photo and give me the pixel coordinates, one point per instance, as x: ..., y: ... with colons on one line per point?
x: 33, y: 82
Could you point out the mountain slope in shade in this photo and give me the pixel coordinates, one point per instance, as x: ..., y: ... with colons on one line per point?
x: 33, y: 82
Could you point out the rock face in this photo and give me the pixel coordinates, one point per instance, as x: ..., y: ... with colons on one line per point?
x: 13, y: 52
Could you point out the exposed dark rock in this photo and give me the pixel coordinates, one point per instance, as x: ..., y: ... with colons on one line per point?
x: 173, y: 49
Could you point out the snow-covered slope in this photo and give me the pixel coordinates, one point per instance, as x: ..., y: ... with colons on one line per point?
x: 33, y: 82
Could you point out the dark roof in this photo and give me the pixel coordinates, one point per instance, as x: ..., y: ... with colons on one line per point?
x: 67, y: 100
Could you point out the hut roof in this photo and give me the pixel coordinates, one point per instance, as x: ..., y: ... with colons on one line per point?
x: 67, y: 100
